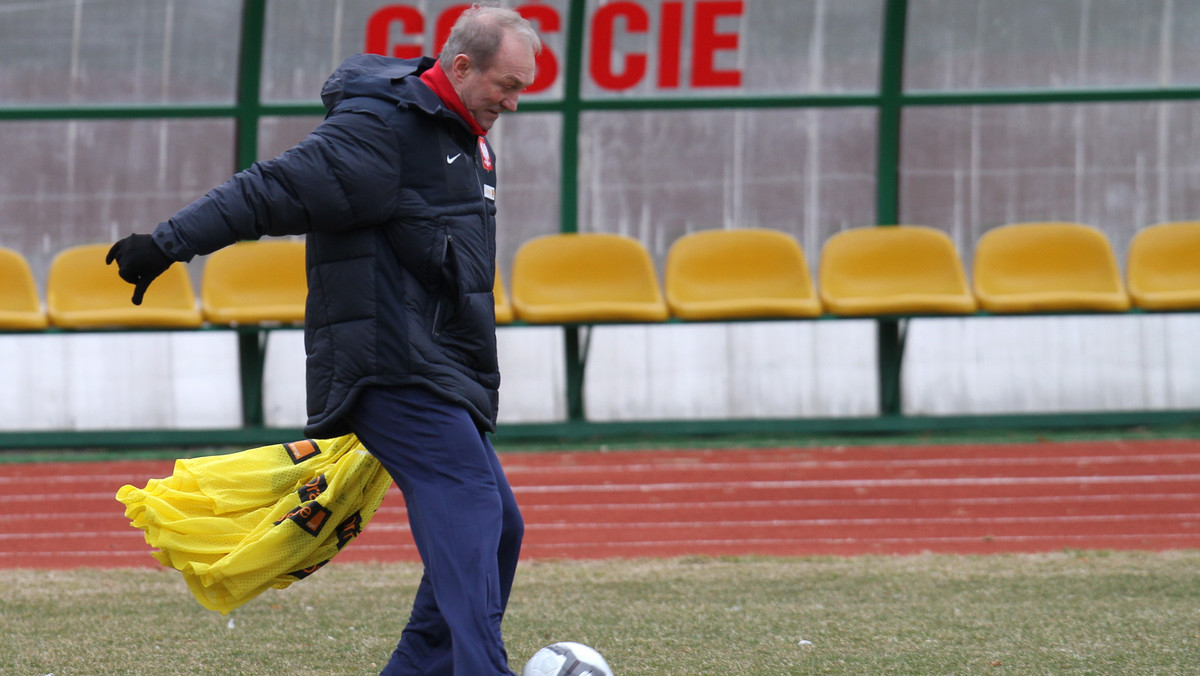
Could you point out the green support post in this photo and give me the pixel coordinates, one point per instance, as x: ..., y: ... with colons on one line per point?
x: 252, y: 356
x: 572, y: 105
x: 575, y: 355
x: 890, y: 338
x: 890, y: 352
x: 889, y: 341
x: 252, y: 343
x: 254, y: 23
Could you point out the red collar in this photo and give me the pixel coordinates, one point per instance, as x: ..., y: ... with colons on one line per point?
x: 436, y: 78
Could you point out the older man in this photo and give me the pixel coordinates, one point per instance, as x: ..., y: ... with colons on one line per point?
x: 396, y: 192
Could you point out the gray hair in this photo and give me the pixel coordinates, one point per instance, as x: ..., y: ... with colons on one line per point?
x: 480, y: 30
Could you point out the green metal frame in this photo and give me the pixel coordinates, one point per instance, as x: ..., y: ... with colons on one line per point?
x: 889, y: 101
x: 890, y: 347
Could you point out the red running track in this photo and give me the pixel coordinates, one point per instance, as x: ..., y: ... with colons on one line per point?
x: 781, y: 502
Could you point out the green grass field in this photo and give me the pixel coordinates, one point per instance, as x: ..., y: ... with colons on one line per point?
x: 1061, y: 613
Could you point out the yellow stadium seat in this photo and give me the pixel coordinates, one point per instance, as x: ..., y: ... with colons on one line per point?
x: 20, y: 306
x: 732, y: 274
x: 1047, y: 267
x: 583, y: 278
x: 255, y: 283
x: 504, y: 309
x: 83, y: 292
x: 893, y: 270
x: 1163, y: 267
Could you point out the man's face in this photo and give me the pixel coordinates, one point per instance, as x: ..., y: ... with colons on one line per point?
x: 487, y: 93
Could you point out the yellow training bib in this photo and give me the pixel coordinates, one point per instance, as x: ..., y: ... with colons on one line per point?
x: 237, y: 524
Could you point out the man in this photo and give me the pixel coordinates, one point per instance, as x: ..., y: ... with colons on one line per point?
x: 396, y: 193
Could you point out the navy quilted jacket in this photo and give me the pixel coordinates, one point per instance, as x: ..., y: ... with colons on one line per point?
x: 396, y: 197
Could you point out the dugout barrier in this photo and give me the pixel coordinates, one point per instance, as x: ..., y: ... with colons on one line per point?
x: 688, y: 63
x: 892, y: 274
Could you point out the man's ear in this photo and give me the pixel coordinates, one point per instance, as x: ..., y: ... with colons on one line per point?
x: 460, y: 67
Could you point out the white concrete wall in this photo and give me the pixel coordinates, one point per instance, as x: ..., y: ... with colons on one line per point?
x: 745, y: 370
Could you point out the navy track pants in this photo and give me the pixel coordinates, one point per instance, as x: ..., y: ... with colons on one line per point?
x: 464, y: 520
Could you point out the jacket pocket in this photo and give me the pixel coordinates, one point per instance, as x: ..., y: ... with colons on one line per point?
x: 468, y: 334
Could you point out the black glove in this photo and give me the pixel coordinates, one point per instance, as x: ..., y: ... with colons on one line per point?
x: 139, y: 262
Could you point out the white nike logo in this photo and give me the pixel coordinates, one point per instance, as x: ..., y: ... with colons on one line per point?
x: 450, y: 160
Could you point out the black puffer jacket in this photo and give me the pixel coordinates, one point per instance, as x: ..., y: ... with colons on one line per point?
x: 396, y: 196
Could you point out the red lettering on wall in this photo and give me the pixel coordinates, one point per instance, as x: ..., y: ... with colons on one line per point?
x: 379, y: 29
x: 400, y: 31
x: 707, y: 42
x: 670, y: 39
x: 546, y: 20
x: 603, y: 28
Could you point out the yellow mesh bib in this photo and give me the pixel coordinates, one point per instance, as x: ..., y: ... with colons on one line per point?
x: 237, y: 524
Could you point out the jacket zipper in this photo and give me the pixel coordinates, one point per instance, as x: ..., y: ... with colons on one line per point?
x: 441, y: 304
x: 483, y: 206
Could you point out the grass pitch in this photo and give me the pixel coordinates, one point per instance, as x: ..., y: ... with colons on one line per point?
x: 1061, y: 613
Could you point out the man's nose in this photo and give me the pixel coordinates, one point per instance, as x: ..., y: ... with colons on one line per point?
x: 509, y: 103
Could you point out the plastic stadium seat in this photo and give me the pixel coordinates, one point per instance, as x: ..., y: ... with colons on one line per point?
x: 730, y: 274
x: 893, y: 270
x: 583, y: 278
x: 504, y: 309
x: 1047, y: 267
x: 1163, y: 266
x: 20, y: 306
x: 255, y: 283
x: 83, y: 292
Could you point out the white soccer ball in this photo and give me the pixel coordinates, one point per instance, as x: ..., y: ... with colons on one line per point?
x: 566, y: 659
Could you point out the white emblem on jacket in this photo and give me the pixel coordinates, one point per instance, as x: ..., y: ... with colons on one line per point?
x: 485, y: 155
